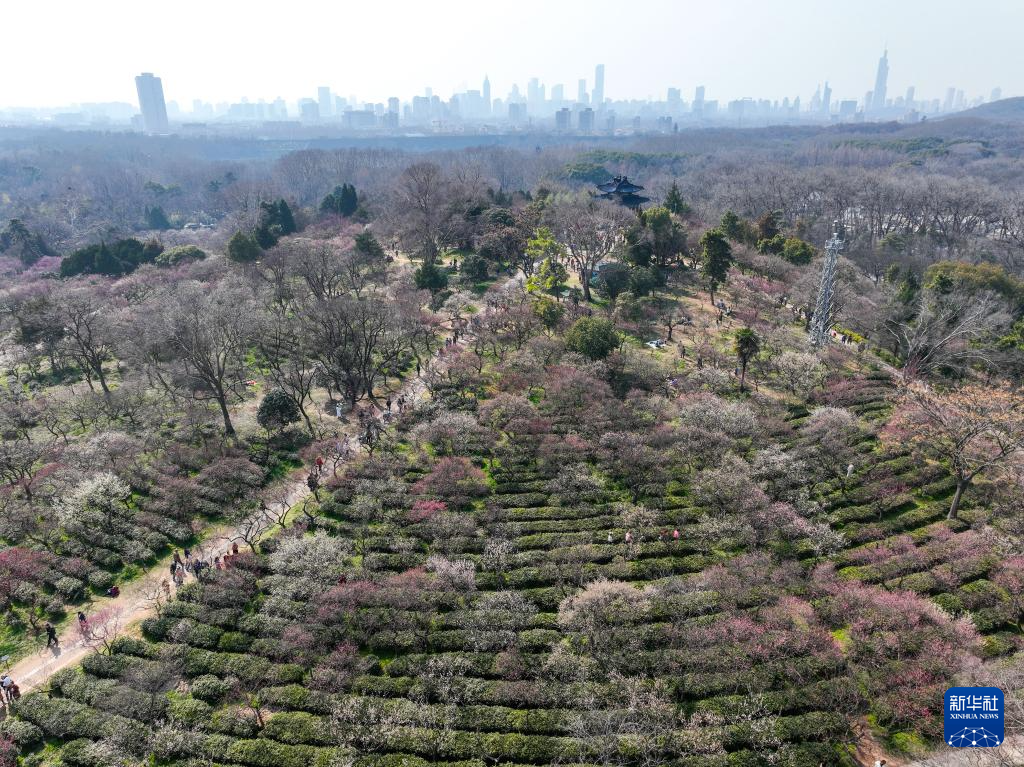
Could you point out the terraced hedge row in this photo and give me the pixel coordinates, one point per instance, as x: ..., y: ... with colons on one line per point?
x: 429, y: 621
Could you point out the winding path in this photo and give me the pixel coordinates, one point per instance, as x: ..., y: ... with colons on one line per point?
x: 137, y: 599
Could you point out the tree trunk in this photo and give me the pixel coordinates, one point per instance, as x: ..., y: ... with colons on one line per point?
x: 743, y: 375
x: 309, y: 423
x: 954, y: 507
x: 103, y: 381
x: 585, y: 284
x: 229, y: 429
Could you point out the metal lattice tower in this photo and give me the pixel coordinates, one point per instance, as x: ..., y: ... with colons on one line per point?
x: 821, y: 320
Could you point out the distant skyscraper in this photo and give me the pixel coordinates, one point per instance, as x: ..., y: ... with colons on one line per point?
x: 393, y: 105
x: 675, y: 99
x: 881, y: 81
x: 586, y: 120
x: 487, y: 96
x: 563, y: 119
x: 997, y: 93
x: 598, y: 98
x: 909, y: 98
x: 151, y: 102
x: 558, y: 93
x: 309, y: 110
x: 534, y: 95
x: 517, y: 113
x: 698, y: 100
x: 581, y: 92
x: 324, y: 100
x: 826, y: 99
x: 815, y: 105
x: 947, y: 105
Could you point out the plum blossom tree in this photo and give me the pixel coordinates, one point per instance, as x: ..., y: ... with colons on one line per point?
x: 799, y: 372
x: 974, y: 430
x: 497, y: 618
x: 832, y: 435
x: 599, y: 620
x: 455, y: 575
x: 97, y: 503
x: 454, y: 480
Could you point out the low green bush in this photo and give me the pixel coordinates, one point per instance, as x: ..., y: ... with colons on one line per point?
x: 24, y: 734
x: 268, y: 753
x: 234, y: 641
x: 233, y: 721
x: 69, y: 589
x: 296, y: 698
x: 189, y: 711
x: 209, y: 688
x: 101, y: 580
x: 295, y: 727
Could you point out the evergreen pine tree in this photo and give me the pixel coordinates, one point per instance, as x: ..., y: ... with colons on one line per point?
x: 331, y: 204
x: 156, y: 218
x: 674, y: 201
x: 368, y: 247
x: 716, y: 258
x: 349, y: 202
x: 243, y: 248
x: 106, y: 263
x: 284, y: 218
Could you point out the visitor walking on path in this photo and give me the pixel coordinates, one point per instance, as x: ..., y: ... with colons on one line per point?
x: 51, y: 635
x: 7, y: 684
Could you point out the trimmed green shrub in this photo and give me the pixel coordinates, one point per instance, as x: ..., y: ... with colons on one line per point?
x: 21, y: 732
x: 208, y: 688
x: 190, y: 711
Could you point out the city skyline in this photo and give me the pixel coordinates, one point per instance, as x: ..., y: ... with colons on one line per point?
x: 736, y: 49
x: 590, y: 112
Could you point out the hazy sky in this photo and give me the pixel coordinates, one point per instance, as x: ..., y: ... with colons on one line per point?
x: 66, y: 51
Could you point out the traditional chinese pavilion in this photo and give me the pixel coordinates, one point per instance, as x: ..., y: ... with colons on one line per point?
x: 623, y: 190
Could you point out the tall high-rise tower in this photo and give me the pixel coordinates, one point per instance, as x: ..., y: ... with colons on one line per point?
x: 826, y: 99
x: 324, y: 100
x: 881, y: 80
x: 598, y: 98
x: 581, y: 91
x: 151, y: 103
x: 487, y: 96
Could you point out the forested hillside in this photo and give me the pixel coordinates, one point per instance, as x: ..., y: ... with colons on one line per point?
x: 485, y: 470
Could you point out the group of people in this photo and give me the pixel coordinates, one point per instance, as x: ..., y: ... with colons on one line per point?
x: 400, y: 402
x: 10, y: 689
x: 180, y: 565
x: 662, y: 536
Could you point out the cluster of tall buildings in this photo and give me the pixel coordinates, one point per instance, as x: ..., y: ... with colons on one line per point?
x: 558, y: 108
x: 877, y: 104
